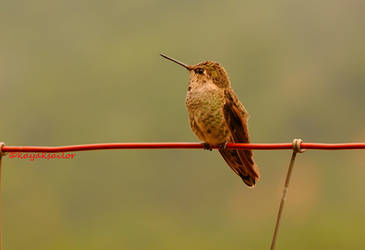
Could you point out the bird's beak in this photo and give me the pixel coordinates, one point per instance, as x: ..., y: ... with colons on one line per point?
x: 188, y: 67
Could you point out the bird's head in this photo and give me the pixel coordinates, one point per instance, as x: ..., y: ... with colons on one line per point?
x: 206, y: 71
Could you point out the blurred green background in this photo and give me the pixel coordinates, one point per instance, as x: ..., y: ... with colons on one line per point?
x: 76, y: 72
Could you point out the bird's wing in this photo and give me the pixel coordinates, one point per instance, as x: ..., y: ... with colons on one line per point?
x: 232, y: 97
x: 241, y: 161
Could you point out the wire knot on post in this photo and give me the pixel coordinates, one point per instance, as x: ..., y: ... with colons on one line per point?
x: 2, y: 153
x: 296, y: 146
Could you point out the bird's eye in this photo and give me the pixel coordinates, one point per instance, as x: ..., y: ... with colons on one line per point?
x: 199, y: 71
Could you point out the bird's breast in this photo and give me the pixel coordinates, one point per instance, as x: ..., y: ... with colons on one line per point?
x: 208, y: 98
x: 205, y: 108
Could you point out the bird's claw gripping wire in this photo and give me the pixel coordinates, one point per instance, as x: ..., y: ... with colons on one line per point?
x: 207, y: 146
x: 223, y: 145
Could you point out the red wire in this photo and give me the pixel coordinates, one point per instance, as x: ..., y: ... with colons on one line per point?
x: 180, y: 145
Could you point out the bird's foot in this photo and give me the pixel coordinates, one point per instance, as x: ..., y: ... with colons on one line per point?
x: 207, y: 146
x: 223, y: 145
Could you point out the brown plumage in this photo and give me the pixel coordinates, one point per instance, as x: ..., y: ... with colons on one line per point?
x: 241, y: 161
x: 217, y: 116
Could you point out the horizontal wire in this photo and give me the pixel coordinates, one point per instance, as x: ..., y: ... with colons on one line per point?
x: 181, y: 145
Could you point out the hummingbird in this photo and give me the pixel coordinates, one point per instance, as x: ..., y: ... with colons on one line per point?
x: 217, y: 116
